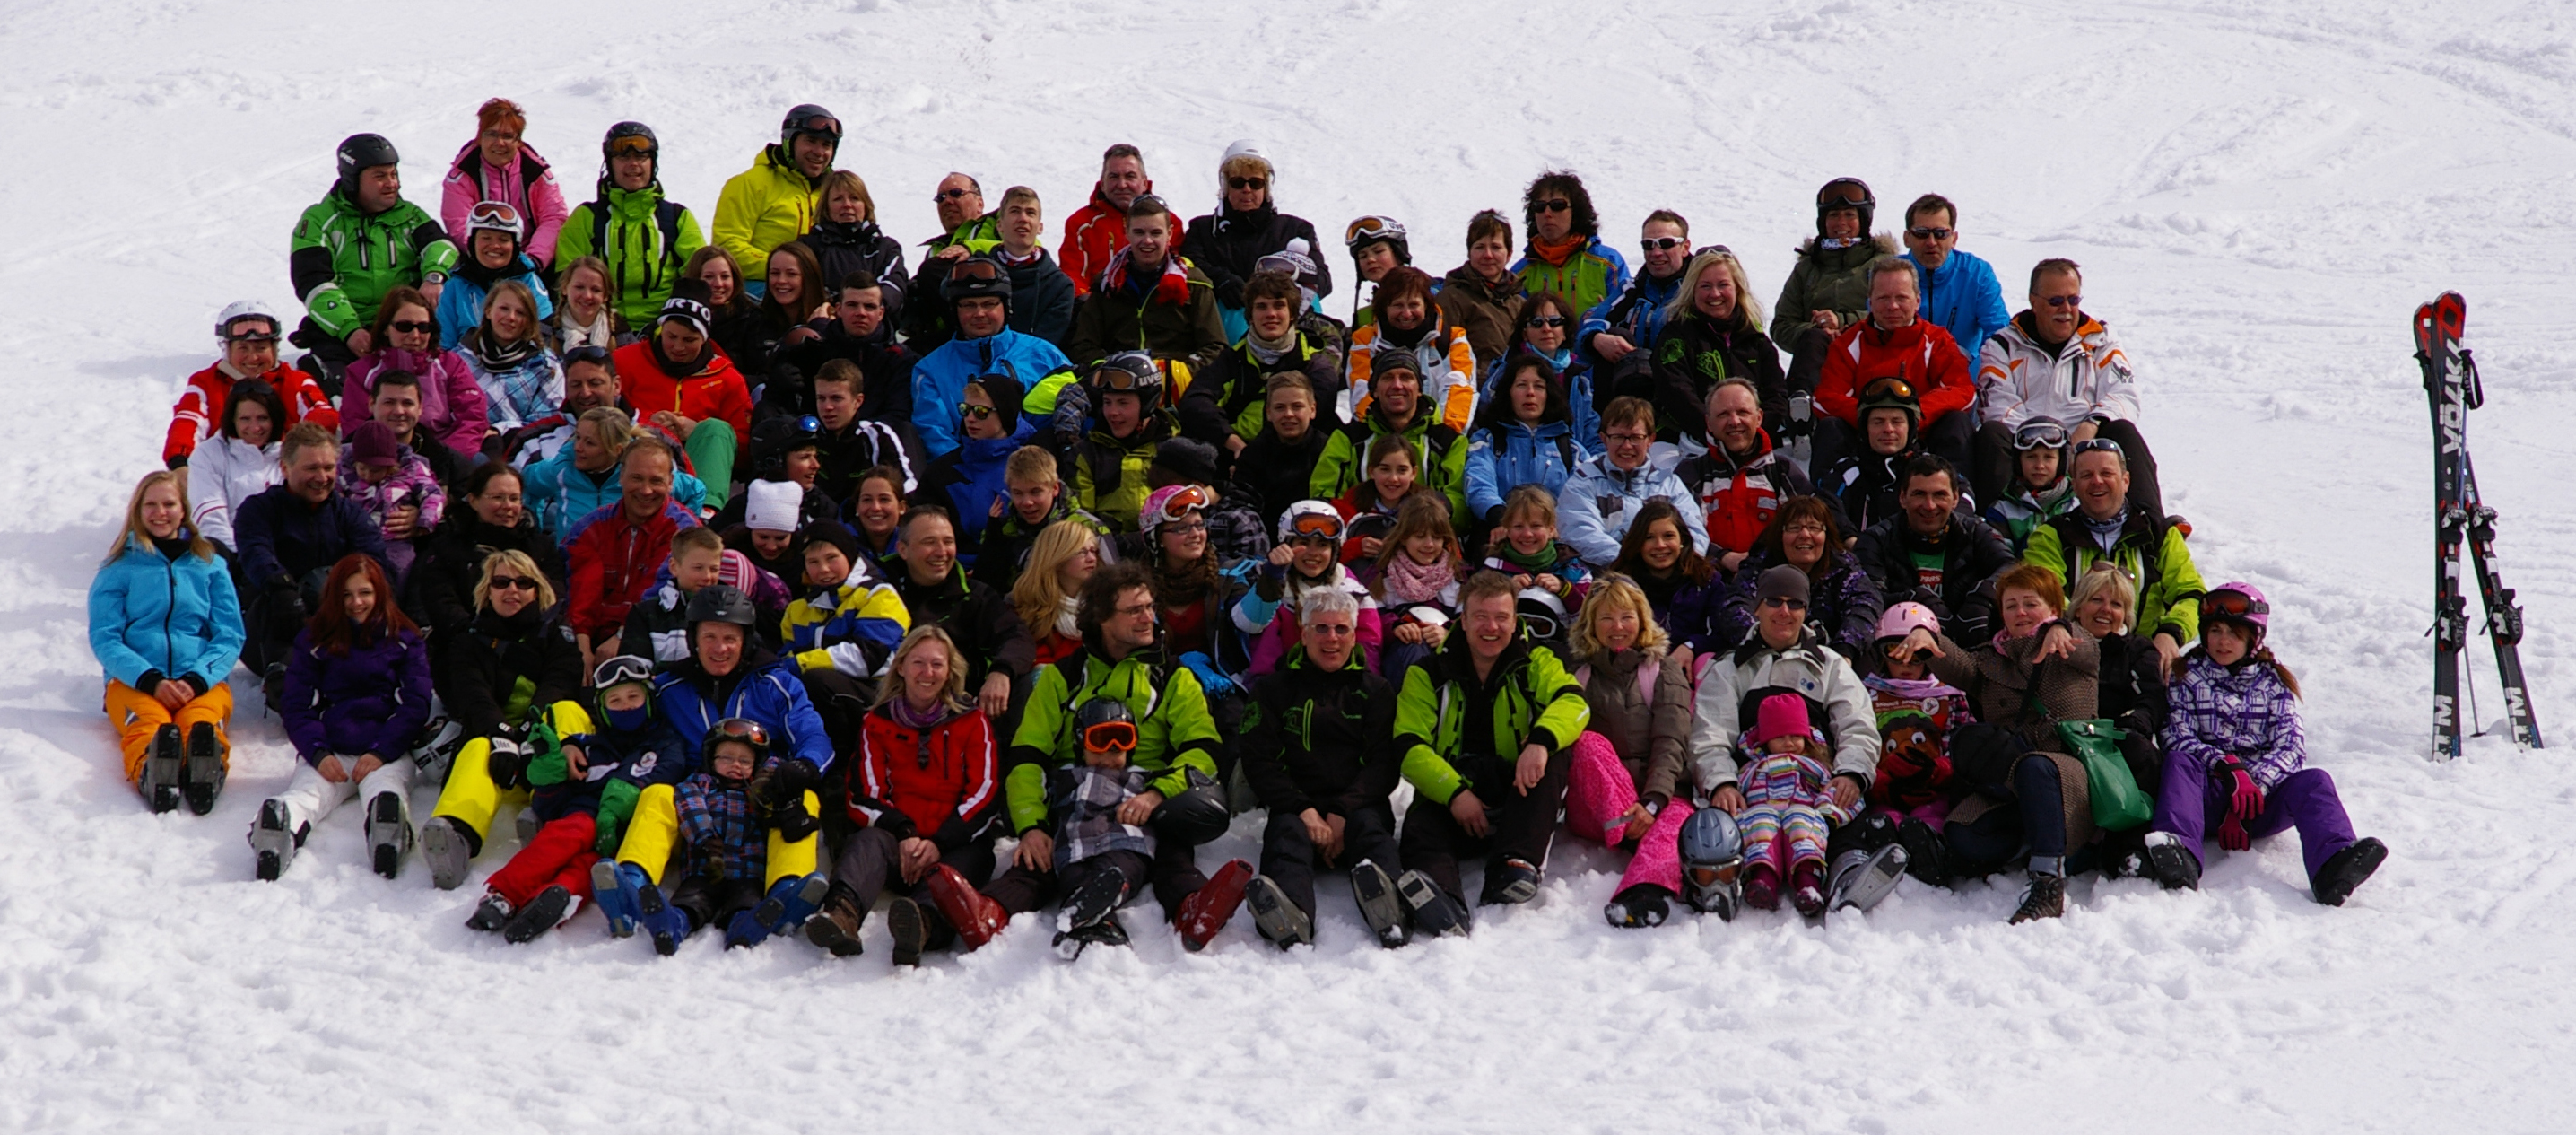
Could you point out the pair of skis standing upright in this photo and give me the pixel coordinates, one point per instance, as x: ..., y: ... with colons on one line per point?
x: 2460, y: 517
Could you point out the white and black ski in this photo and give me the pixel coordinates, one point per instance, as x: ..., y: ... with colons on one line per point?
x: 2461, y: 518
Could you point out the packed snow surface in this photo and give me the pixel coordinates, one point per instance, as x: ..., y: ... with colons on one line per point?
x: 2260, y: 195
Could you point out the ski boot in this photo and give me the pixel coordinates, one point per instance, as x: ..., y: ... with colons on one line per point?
x: 544, y: 912
x: 668, y: 924
x: 835, y: 927
x: 1861, y: 878
x: 491, y: 914
x: 1509, y: 882
x: 790, y: 902
x: 1639, y: 907
x: 1090, y: 915
x: 203, y: 778
x: 744, y: 931
x: 449, y: 850
x: 2347, y: 869
x: 2171, y: 863
x: 1435, y: 910
x: 1927, y: 855
x: 162, y: 765
x: 616, y: 899
x: 1712, y: 853
x: 1278, y: 920
x: 976, y: 916
x: 388, y: 833
x: 1209, y: 908
x: 1807, y: 891
x: 1380, y: 906
x: 1107, y: 932
x: 272, y: 841
x: 2046, y: 898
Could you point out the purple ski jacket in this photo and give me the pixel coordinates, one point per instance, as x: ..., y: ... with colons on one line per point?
x: 2244, y: 711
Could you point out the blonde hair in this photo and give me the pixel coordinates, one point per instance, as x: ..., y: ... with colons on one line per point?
x: 1533, y: 500
x: 952, y: 693
x: 1747, y: 307
x: 135, y: 536
x: 518, y: 561
x: 1612, y: 589
x: 2107, y: 576
x: 1038, y: 595
x: 530, y: 328
x: 843, y: 181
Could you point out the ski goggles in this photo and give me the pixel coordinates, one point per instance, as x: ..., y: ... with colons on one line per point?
x: 2041, y: 433
x: 1843, y: 192
x: 1887, y: 388
x: 1111, y: 737
x: 1372, y: 228
x: 975, y: 268
x: 1315, y: 526
x: 1127, y: 370
x: 492, y: 215
x: 631, y: 146
x: 586, y: 353
x: 743, y: 729
x: 808, y: 428
x: 2232, y: 605
x: 267, y: 336
x: 822, y: 124
x: 621, y: 669
x: 1191, y: 498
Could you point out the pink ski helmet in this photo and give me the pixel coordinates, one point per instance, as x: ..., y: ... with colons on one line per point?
x: 1901, y: 619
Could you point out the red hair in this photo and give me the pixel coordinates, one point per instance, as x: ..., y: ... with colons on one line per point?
x: 497, y: 111
x: 331, y: 628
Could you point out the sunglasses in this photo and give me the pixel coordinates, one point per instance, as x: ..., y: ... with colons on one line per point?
x: 1930, y: 233
x: 974, y: 413
x: 513, y: 583
x: 1247, y: 183
x: 2065, y: 301
x: 412, y: 327
x: 949, y: 195
x: 2232, y: 604
x: 1663, y: 243
x: 1111, y: 737
x: 1544, y: 321
x: 1181, y: 527
x: 2096, y: 445
x: 1713, y: 249
x: 1552, y: 205
x: 1786, y: 603
x: 1896, y: 652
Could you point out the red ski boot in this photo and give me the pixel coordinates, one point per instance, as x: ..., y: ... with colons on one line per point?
x: 976, y: 917
x: 1208, y: 909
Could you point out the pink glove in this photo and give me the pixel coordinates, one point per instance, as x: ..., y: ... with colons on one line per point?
x: 2244, y: 803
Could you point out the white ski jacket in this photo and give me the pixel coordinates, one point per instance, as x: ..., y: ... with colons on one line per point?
x: 222, y: 473
x: 2018, y: 380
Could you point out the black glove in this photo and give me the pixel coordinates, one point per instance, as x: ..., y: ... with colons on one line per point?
x: 792, y: 822
x: 177, y: 461
x: 785, y: 786
x: 286, y: 601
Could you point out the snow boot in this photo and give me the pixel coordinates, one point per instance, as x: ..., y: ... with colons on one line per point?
x: 1435, y: 910
x: 976, y: 916
x: 2046, y: 898
x: 616, y: 899
x: 836, y: 926
x: 551, y: 906
x: 655, y: 914
x: 1762, y: 887
x: 1712, y: 854
x: 1639, y: 907
x: 1509, y: 882
x: 203, y: 778
x: 2347, y: 869
x: 2171, y: 863
x: 162, y: 764
x: 790, y: 902
x: 909, y: 928
x: 271, y: 841
x: 1927, y: 854
x: 1863, y: 878
x: 491, y: 914
x: 1807, y: 890
x: 449, y: 850
x: 388, y: 833
x: 744, y: 931
x: 1107, y: 932
x: 1275, y: 918
x: 1380, y: 906
x: 1209, y: 908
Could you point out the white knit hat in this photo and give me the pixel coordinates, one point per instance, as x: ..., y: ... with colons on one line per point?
x: 774, y: 506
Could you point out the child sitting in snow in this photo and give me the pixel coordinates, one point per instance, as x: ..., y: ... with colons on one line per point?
x: 1103, y: 853
x: 2040, y: 490
x: 585, y: 788
x: 1789, y: 806
x: 728, y: 840
x: 2234, y: 753
x: 381, y: 475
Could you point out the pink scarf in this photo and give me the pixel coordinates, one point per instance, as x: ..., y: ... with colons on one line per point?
x: 1408, y: 582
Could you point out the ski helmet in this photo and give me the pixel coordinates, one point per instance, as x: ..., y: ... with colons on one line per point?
x: 1846, y: 193
x: 977, y: 276
x: 1110, y: 712
x: 1310, y: 518
x: 360, y: 153
x: 239, y: 310
x: 1712, y: 851
x: 1373, y: 229
x: 721, y: 604
x: 808, y: 118
x: 1902, y: 619
x: 628, y: 138
x: 2239, y: 603
x: 1168, y: 504
x: 1542, y: 613
x: 742, y: 729
x: 1132, y: 372
x: 493, y: 217
x: 1195, y: 816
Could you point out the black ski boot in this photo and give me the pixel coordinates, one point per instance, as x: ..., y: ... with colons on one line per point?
x: 2171, y: 863
x: 1276, y: 918
x: 1639, y: 907
x: 909, y: 926
x: 162, y: 764
x: 1106, y: 932
x: 1380, y: 906
x: 1861, y: 879
x: 272, y: 840
x: 2347, y: 869
x: 203, y: 779
x: 491, y: 914
x: 1509, y: 882
x: 1435, y: 910
x: 388, y: 833
x: 1927, y: 855
x: 1087, y: 910
x: 552, y: 905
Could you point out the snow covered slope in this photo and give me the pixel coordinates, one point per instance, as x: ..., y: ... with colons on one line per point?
x: 2260, y: 194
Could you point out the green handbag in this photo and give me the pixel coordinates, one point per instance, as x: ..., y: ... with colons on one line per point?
x: 2118, y: 803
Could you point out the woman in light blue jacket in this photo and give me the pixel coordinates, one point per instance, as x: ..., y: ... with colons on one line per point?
x: 583, y: 477
x: 1526, y: 436
x: 166, y: 626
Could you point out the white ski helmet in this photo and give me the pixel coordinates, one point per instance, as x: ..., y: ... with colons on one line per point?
x: 239, y: 310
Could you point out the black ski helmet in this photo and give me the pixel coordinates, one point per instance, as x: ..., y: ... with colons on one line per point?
x: 977, y: 276
x: 721, y: 604
x: 1195, y: 816
x: 1131, y: 372
x: 808, y: 118
x: 1101, y: 711
x: 1890, y: 392
x: 361, y: 152
x: 1840, y: 194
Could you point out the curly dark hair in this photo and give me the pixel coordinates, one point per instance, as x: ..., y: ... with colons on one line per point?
x: 1553, y: 183
x: 1100, y: 596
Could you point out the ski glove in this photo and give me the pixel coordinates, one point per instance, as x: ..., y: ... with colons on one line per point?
x: 1215, y: 684
x: 785, y: 786
x: 2244, y: 803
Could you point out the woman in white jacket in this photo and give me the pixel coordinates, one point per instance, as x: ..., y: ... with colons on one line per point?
x: 238, y: 462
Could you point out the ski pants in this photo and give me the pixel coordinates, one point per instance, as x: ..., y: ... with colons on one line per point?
x: 471, y: 797
x: 139, y: 717
x: 2192, y: 803
x: 653, y: 835
x: 309, y: 798
x: 1520, y: 826
x: 1598, y: 791
x: 2036, y: 816
x: 1289, y: 856
x: 871, y: 860
x: 560, y: 856
x: 1997, y: 464
x: 711, y: 453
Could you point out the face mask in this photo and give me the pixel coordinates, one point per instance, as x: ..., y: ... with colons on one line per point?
x: 630, y: 720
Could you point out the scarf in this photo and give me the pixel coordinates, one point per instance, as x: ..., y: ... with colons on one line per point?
x: 1837, y: 243
x: 1540, y: 562
x: 1173, y: 288
x: 1267, y: 352
x: 2106, y: 532
x: 1065, y: 626
x: 599, y: 332
x: 900, y: 709
x: 498, y: 356
x: 1408, y: 582
x: 1559, y: 251
x: 1180, y: 587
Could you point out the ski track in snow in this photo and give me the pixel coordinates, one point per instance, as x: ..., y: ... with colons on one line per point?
x: 2260, y: 195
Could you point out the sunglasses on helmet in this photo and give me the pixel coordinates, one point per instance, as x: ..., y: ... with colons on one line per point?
x: 2232, y: 605
x: 1888, y: 387
x: 2040, y: 433
x: 586, y: 353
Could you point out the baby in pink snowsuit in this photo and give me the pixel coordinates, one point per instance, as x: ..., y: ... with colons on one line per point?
x: 380, y: 475
x: 1789, y: 807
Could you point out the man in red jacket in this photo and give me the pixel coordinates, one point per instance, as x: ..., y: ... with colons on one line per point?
x: 249, y: 336
x: 613, y: 553
x: 1892, y: 343
x: 677, y: 380
x: 1096, y: 231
